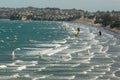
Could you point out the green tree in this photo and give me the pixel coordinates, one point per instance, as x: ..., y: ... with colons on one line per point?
x: 107, y: 19
x: 116, y: 24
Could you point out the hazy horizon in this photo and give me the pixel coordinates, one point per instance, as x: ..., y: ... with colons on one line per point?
x: 91, y: 5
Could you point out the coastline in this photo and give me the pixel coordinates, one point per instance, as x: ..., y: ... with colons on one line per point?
x: 99, y: 25
x: 113, y: 29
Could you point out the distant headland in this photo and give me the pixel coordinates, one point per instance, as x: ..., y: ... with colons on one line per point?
x: 99, y: 18
x: 40, y: 14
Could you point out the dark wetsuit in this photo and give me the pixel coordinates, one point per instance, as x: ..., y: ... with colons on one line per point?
x: 78, y: 29
x: 100, y: 33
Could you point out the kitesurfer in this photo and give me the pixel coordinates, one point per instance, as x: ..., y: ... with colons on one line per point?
x: 13, y: 55
x: 76, y: 33
x: 64, y: 28
x: 100, y: 33
x: 78, y: 29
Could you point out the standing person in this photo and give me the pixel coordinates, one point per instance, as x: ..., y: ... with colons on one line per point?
x: 78, y: 29
x: 13, y: 55
x: 100, y: 33
x: 64, y: 28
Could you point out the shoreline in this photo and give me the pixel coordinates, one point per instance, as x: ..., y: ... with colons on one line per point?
x: 99, y: 25
x: 113, y: 29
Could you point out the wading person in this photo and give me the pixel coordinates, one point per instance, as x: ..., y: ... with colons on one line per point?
x: 78, y: 29
x: 100, y: 33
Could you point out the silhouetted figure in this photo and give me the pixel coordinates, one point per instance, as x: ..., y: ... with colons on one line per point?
x: 100, y: 33
x: 78, y: 29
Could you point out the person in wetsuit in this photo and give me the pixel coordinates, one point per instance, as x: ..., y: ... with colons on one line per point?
x: 77, y: 32
x: 78, y: 29
x: 100, y: 33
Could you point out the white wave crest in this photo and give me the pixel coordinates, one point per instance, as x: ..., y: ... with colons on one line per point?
x: 21, y: 68
x: 3, y: 66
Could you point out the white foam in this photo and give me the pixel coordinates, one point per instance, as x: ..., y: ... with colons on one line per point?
x: 84, y: 72
x: 27, y: 75
x: 108, y: 35
x: 105, y: 49
x: 21, y: 68
x: 66, y: 57
x: 12, y: 64
x: 72, y: 77
x: 40, y: 69
x: 68, y: 37
x: 14, y: 76
x: 33, y: 41
x: 34, y: 62
x: 31, y: 49
x: 3, y: 66
x: 92, y: 35
x: 26, y: 63
x: 9, y: 77
x: 63, y: 77
x: 52, y: 51
x: 48, y: 45
x: 4, y: 77
x: 18, y: 49
x: 18, y: 61
x: 45, y: 51
x: 41, y: 77
x: 85, y: 48
x: 60, y: 42
x: 75, y: 65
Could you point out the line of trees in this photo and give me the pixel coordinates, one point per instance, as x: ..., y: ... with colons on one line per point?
x: 111, y: 19
x: 55, y: 14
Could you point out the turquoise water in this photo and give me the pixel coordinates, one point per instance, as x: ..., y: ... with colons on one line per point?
x: 45, y: 51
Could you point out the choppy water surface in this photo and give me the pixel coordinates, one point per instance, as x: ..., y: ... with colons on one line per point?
x: 45, y: 51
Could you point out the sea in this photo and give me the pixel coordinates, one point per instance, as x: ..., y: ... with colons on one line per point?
x: 49, y: 50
